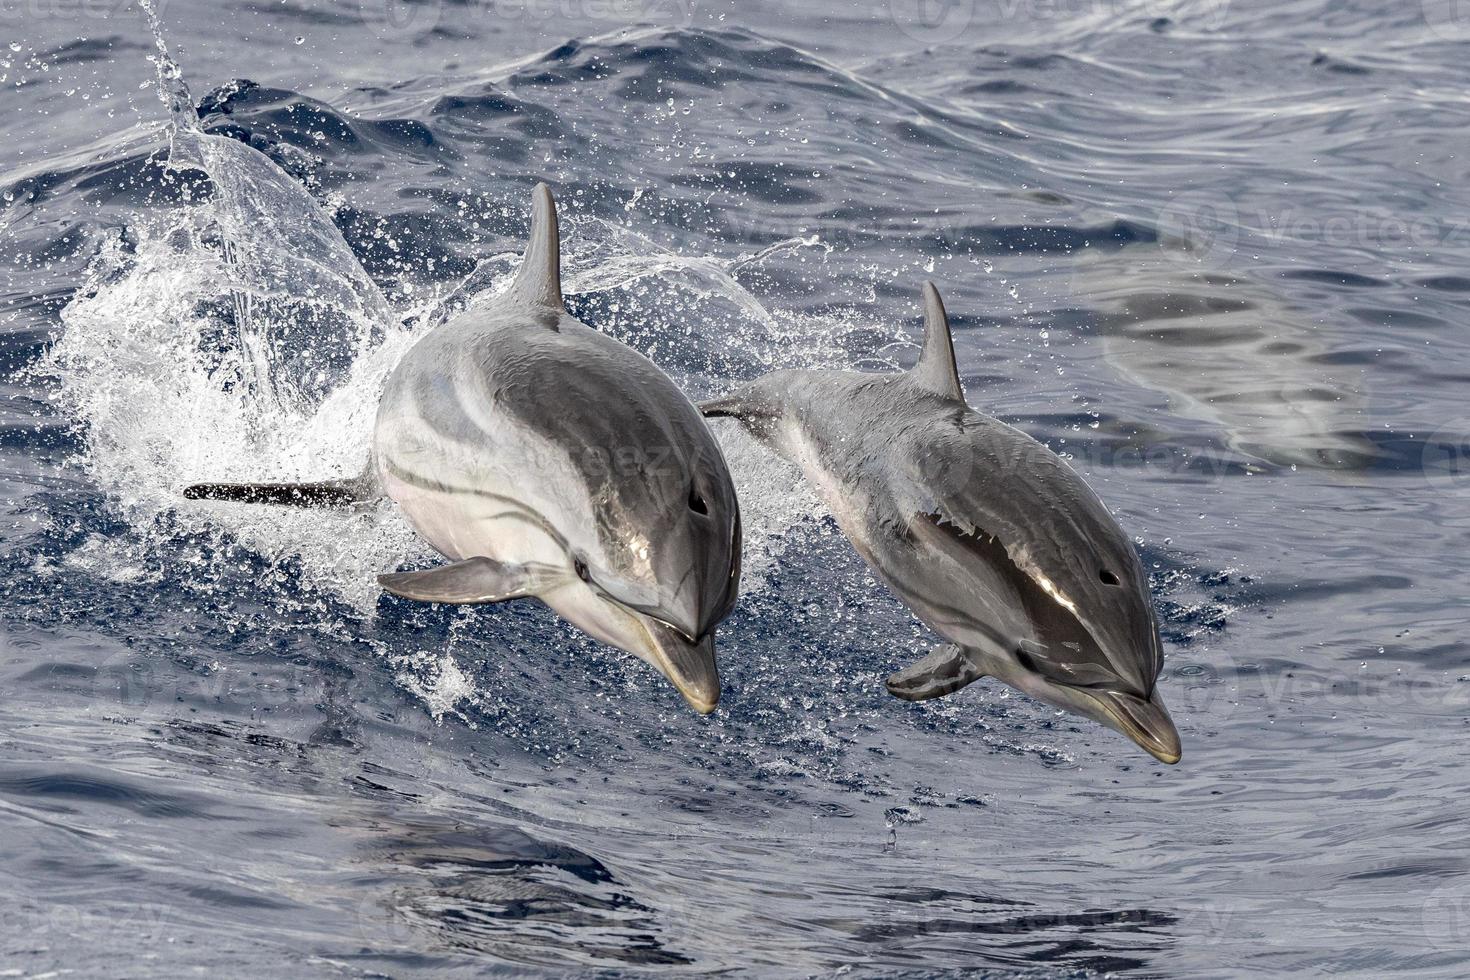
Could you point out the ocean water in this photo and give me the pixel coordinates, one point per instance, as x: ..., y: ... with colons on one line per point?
x: 1215, y: 252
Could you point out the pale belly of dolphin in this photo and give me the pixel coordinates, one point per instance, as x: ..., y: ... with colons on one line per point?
x: 464, y: 521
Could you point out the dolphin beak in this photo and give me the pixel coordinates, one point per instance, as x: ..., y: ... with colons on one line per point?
x: 690, y: 667
x: 1146, y: 722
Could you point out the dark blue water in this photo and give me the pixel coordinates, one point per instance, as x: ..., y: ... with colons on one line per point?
x: 1217, y: 253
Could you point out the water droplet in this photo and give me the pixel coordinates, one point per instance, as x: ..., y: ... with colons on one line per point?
x: 300, y: 39
x: 15, y: 45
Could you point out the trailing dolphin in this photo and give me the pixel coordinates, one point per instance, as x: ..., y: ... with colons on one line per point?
x: 545, y: 459
x: 981, y: 530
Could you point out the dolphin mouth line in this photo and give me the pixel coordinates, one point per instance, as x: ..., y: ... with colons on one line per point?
x: 1163, y: 744
x: 641, y: 609
x: 693, y: 640
x: 703, y: 702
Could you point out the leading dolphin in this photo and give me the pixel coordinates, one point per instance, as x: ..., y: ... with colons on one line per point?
x: 981, y: 530
x: 546, y: 459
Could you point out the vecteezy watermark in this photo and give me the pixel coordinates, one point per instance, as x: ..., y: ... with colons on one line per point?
x: 140, y: 682
x: 26, y: 11
x: 934, y: 22
x: 410, y: 19
x: 1218, y: 228
x: 1215, y: 685
x: 74, y: 921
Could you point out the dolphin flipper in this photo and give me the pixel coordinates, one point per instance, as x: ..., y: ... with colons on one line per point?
x: 322, y: 493
x: 474, y: 580
x: 945, y: 670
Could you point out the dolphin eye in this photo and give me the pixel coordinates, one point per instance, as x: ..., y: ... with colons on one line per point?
x: 1108, y: 578
x: 580, y: 567
x: 696, y: 502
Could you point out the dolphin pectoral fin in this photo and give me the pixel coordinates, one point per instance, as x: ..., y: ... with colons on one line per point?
x: 474, y: 580
x: 322, y: 493
x: 945, y: 670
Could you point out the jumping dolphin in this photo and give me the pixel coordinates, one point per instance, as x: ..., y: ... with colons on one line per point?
x: 545, y: 459
x: 982, y: 531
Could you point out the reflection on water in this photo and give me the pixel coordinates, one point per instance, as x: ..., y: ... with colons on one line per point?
x: 497, y: 890
x: 1228, y: 351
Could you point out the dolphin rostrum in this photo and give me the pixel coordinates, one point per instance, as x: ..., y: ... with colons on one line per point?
x: 981, y: 530
x: 546, y: 459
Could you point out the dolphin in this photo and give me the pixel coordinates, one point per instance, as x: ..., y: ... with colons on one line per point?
x: 544, y: 459
x: 989, y: 537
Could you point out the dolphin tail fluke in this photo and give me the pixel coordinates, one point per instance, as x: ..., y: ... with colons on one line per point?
x: 539, y: 280
x: 936, y: 371
x: 323, y: 493
x: 945, y: 670
x: 468, y: 582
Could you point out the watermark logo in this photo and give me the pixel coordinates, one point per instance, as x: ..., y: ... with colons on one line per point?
x: 946, y: 473
x: 1199, y: 226
x: 125, y: 678
x: 29, y: 11
x: 412, y: 19
x: 931, y: 21
x: 1445, y: 458
x: 1449, y: 19
x: 1446, y: 916
x: 1204, y: 923
x: 382, y: 924
x: 1208, y: 685
x: 401, y: 19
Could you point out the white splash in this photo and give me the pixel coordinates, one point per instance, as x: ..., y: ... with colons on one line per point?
x: 237, y: 338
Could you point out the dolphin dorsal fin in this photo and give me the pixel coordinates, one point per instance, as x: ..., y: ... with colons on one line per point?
x: 539, y: 278
x: 936, y: 371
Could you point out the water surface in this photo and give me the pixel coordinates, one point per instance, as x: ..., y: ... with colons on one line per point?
x: 1214, y: 253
